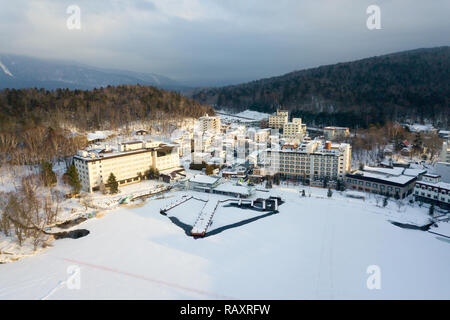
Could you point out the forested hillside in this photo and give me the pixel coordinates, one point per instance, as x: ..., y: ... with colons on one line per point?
x: 411, y: 85
x: 92, y: 109
x: 32, y: 120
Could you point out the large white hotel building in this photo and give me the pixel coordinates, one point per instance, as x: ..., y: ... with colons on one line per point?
x: 313, y: 160
x: 129, y: 163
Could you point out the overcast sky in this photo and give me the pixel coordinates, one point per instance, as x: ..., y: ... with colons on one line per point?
x: 219, y: 40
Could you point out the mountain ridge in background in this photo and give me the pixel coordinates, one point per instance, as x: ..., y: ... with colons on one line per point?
x: 17, y: 71
x: 406, y: 86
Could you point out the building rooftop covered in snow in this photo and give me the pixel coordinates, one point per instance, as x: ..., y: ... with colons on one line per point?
x: 397, y: 182
x: 209, y: 184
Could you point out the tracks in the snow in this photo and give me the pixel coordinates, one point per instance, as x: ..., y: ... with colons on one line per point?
x: 324, y: 279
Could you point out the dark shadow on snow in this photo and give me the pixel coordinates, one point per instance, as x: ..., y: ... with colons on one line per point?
x: 238, y: 224
x: 74, y: 234
x: 443, y: 239
x: 188, y: 228
x: 411, y: 226
x: 71, y: 223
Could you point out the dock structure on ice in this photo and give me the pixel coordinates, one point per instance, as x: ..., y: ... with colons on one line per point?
x: 143, y: 194
x: 183, y: 199
x: 205, y: 218
x: 269, y: 204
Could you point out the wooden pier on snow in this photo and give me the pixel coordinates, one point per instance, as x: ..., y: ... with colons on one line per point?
x: 183, y: 199
x: 146, y: 194
x: 205, y: 218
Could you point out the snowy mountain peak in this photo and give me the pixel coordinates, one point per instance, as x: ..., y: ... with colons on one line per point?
x: 52, y: 74
x: 5, y: 69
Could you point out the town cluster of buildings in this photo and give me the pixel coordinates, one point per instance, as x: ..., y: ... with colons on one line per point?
x: 251, y: 154
x: 283, y: 148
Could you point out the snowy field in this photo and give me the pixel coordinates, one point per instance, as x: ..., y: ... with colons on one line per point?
x: 314, y: 248
x: 249, y: 114
x: 253, y: 115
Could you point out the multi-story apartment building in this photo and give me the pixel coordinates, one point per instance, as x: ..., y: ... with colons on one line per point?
x: 313, y: 161
x: 294, y: 130
x: 208, y: 123
x: 445, y: 152
x: 129, y: 163
x: 430, y: 189
x: 331, y: 133
x: 278, y: 120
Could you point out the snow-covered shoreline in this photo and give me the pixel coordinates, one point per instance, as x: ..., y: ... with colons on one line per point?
x: 314, y: 247
x: 88, y: 206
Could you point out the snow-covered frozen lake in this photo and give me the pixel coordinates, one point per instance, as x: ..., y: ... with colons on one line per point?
x: 314, y: 248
